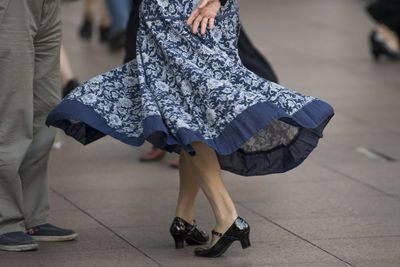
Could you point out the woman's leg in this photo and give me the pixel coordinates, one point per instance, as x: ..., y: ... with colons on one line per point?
x: 390, y: 36
x: 188, y: 189
x: 153, y: 155
x: 68, y: 80
x: 65, y: 68
x: 105, y: 16
x: 206, y: 167
x: 90, y: 9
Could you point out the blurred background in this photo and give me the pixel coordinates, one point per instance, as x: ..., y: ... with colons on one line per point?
x: 340, y: 208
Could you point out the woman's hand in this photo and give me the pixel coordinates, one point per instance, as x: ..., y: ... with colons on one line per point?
x: 204, y: 14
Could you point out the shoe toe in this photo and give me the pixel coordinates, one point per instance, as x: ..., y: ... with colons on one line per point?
x: 201, y: 251
x: 17, y: 241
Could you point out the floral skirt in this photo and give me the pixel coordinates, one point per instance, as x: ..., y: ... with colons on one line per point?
x: 184, y: 88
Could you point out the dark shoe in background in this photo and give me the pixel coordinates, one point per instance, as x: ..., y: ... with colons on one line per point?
x: 17, y: 241
x: 86, y: 29
x: 104, y: 33
x: 51, y: 233
x: 117, y: 41
x: 69, y: 87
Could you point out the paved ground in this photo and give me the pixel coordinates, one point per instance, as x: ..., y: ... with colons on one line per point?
x: 340, y: 208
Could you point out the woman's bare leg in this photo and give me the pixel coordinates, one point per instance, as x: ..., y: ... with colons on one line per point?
x: 90, y: 9
x: 105, y: 15
x: 390, y: 36
x: 188, y: 189
x: 153, y: 155
x: 206, y: 168
x: 65, y: 68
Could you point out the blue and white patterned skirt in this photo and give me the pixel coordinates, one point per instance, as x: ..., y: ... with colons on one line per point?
x: 184, y: 88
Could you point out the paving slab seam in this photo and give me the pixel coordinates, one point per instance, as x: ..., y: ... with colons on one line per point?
x: 105, y: 226
x: 293, y: 233
x: 357, y: 237
x: 71, y: 252
x: 358, y: 181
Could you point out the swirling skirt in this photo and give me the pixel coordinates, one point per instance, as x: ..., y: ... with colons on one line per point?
x: 184, y: 88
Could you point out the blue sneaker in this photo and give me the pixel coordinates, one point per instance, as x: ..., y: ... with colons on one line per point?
x: 17, y: 241
x: 48, y: 232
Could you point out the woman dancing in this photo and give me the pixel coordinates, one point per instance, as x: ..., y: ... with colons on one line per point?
x: 188, y: 92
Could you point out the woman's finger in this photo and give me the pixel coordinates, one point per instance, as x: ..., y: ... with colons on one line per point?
x: 192, y: 17
x: 212, y: 23
x: 196, y: 24
x: 204, y: 23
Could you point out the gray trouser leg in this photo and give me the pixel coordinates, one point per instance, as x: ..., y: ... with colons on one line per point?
x: 33, y: 173
x: 30, y: 34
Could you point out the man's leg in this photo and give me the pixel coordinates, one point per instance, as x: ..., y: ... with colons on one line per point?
x: 16, y: 119
x: 119, y: 12
x: 16, y: 109
x: 33, y: 173
x: 46, y: 95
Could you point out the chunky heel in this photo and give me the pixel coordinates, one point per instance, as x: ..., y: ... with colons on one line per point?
x: 182, y: 231
x: 179, y: 241
x: 245, y: 242
x: 376, y: 54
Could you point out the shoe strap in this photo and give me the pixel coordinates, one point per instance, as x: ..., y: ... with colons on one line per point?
x: 193, y: 227
x: 216, y: 233
x: 183, y: 223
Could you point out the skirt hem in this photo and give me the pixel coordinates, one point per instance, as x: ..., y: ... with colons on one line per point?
x: 312, y: 119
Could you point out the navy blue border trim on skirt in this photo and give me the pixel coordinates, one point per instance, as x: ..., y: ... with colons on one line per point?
x: 311, y: 119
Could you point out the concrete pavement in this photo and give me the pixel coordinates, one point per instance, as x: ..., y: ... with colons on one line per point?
x: 340, y: 208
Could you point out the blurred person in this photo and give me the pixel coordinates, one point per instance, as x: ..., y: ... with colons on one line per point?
x: 384, y: 39
x: 250, y: 56
x: 119, y: 11
x: 30, y: 35
x: 68, y: 79
x: 86, y: 28
x: 188, y: 92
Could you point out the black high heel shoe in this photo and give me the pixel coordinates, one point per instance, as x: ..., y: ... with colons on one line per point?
x: 182, y: 230
x: 104, y: 32
x: 85, y: 30
x: 379, y: 47
x: 239, y: 231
